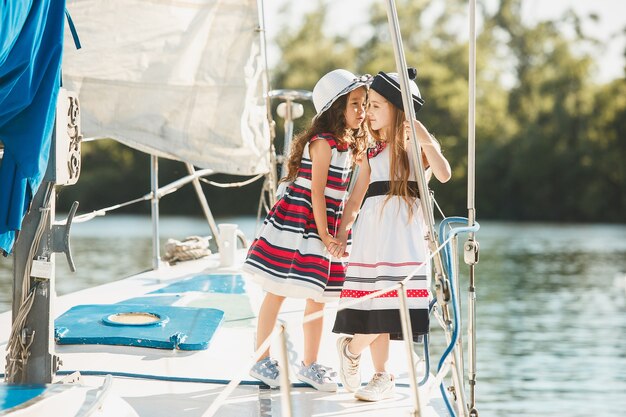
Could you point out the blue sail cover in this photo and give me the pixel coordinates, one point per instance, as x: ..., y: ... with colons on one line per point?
x: 31, y: 47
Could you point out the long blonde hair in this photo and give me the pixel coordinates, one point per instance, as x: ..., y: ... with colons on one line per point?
x: 399, y: 166
x: 331, y: 121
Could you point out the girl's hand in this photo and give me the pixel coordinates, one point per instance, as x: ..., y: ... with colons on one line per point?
x: 333, y: 245
x: 431, y: 151
x: 341, y: 252
x: 422, y: 134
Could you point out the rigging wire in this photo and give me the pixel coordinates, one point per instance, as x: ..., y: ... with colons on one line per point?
x: 163, y: 191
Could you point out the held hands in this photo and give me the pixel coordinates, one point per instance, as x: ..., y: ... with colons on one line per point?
x: 341, y: 251
x: 335, y: 246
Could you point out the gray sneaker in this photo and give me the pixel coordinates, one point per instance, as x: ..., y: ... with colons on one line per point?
x: 381, y: 386
x: 267, y: 371
x: 318, y: 376
x: 349, y: 371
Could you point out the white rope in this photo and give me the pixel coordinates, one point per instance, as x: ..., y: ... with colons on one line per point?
x: 102, y: 212
x: 232, y: 184
x: 18, y: 348
x: 193, y: 247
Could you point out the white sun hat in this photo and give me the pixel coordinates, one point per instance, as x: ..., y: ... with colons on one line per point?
x: 334, y: 85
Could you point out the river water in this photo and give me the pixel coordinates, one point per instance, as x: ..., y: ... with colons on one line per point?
x: 551, y: 306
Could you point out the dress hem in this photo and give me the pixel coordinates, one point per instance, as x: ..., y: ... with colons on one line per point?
x: 287, y: 288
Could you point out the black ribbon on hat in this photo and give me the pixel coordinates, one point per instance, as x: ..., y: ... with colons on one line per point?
x: 389, y: 88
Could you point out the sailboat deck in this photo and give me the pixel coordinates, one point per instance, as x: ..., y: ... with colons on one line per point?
x: 161, y: 382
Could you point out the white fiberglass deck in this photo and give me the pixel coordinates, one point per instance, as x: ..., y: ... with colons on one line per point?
x: 158, y: 382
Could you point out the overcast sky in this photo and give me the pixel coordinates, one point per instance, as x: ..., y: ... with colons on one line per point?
x: 348, y: 17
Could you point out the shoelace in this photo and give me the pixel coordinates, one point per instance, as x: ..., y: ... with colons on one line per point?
x: 353, y: 363
x: 376, y: 381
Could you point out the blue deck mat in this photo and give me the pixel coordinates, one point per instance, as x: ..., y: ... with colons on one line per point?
x: 183, y: 328
x: 210, y: 283
x: 166, y: 300
x: 14, y: 395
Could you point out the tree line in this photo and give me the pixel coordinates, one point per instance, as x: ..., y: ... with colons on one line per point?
x: 551, y: 141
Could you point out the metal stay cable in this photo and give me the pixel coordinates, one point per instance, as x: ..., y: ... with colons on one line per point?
x: 162, y: 191
x: 394, y: 28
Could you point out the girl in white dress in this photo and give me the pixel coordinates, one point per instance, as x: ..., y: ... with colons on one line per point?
x: 388, y: 239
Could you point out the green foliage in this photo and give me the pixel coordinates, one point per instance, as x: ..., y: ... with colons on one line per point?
x: 309, y: 52
x: 550, y: 143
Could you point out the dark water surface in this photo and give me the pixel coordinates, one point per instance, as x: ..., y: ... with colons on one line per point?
x: 551, y: 306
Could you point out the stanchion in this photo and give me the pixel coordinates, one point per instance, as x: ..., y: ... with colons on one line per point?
x: 407, y: 334
x: 285, y: 385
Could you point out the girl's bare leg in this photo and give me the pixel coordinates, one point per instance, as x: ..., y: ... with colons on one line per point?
x: 267, y: 319
x: 360, y: 342
x: 312, y: 332
x: 380, y: 352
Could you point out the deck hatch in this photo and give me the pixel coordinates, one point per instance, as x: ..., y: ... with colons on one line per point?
x: 135, y: 318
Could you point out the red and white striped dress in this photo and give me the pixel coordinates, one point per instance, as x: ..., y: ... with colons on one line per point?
x: 386, y: 248
x: 288, y: 257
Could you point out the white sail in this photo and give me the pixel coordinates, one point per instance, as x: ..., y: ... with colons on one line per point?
x: 179, y: 79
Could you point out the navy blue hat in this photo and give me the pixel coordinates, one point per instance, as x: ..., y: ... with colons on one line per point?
x: 388, y: 86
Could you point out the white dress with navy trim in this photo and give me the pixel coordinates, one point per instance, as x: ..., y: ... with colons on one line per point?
x: 387, y: 246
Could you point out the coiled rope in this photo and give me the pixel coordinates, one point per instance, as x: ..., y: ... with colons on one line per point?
x: 193, y: 247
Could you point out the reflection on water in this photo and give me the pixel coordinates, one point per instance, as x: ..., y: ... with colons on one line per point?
x: 551, y: 307
x: 552, y: 320
x: 111, y: 248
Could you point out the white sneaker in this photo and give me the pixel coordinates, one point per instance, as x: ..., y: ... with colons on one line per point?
x: 318, y: 376
x: 349, y: 371
x: 381, y: 386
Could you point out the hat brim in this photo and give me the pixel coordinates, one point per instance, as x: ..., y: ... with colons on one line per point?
x: 355, y: 84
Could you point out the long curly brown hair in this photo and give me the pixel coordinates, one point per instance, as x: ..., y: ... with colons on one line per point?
x: 399, y: 167
x: 331, y: 121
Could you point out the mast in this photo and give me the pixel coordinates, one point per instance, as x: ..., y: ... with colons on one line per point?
x: 30, y: 357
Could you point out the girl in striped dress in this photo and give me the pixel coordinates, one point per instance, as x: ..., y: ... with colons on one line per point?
x: 290, y: 257
x: 389, y: 241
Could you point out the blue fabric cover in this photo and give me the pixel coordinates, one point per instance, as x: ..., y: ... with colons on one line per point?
x: 16, y: 395
x: 31, y: 48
